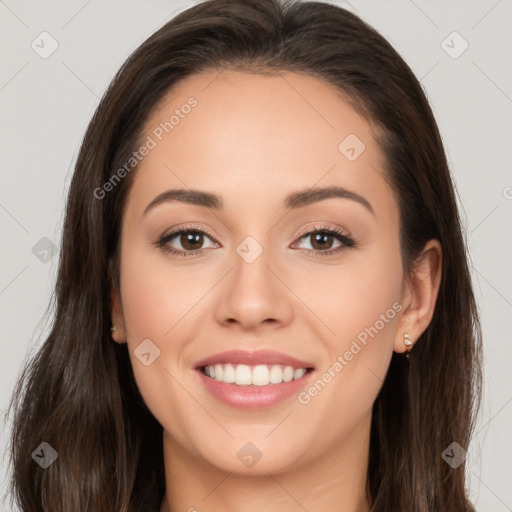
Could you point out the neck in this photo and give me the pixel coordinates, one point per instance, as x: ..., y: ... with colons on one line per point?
x: 334, y: 480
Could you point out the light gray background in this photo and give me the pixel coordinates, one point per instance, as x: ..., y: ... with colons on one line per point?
x: 46, y: 104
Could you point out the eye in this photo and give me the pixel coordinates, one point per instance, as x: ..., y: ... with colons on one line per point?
x: 322, y: 240
x: 190, y: 241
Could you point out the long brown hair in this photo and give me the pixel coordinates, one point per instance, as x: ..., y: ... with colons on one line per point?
x: 78, y: 393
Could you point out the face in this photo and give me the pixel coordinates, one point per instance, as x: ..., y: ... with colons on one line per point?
x: 268, y: 281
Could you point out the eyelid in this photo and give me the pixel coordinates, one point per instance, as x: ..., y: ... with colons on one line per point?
x: 188, y: 227
x: 320, y: 227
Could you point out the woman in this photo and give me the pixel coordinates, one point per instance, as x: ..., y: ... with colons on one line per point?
x: 260, y: 228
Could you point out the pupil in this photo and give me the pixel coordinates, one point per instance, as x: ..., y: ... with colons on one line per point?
x: 189, y: 239
x: 320, y: 237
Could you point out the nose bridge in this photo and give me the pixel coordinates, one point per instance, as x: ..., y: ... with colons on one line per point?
x: 252, y: 278
x: 252, y: 294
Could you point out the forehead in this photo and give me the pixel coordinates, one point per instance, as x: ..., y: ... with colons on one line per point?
x: 256, y: 136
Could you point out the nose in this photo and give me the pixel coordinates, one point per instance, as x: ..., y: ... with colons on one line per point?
x: 254, y: 295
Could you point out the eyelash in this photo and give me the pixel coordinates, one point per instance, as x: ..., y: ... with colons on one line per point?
x: 346, y: 240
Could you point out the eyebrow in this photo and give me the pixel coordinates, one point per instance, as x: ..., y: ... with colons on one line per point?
x: 294, y: 200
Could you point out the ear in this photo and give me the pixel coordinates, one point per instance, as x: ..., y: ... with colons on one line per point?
x: 116, y: 313
x: 420, y: 294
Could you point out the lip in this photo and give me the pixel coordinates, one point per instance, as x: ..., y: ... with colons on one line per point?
x: 253, y: 397
x: 253, y: 358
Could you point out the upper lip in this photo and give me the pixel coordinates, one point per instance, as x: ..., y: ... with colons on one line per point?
x: 253, y: 358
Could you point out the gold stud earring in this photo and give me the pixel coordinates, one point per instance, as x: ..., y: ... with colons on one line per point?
x: 408, y: 343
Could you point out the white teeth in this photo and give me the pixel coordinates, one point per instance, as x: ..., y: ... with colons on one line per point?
x: 288, y: 374
x: 259, y: 375
x: 229, y: 373
x: 219, y: 372
x: 242, y: 375
x: 299, y: 372
x: 276, y: 374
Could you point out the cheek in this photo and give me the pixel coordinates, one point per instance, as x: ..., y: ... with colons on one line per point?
x: 360, y: 303
x: 158, y: 296
x: 161, y: 303
x: 351, y: 296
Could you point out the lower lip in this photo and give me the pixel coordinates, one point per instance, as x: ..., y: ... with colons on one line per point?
x: 253, y: 397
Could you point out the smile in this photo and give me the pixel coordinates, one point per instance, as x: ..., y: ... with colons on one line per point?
x: 259, y: 375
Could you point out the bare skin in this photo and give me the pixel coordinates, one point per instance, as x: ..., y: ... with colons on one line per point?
x: 252, y: 140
